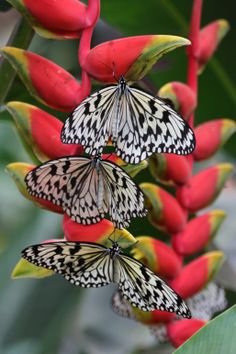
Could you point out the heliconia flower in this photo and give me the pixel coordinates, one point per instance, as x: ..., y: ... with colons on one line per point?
x: 210, y: 37
x: 46, y: 81
x: 204, y: 187
x: 18, y: 171
x: 170, y: 169
x: 41, y: 131
x: 179, y: 331
x: 164, y: 211
x: 58, y: 19
x: 210, y: 137
x: 141, y: 53
x: 181, y: 95
x: 90, y: 233
x: 159, y: 257
x: 198, y: 233
x: 197, y: 274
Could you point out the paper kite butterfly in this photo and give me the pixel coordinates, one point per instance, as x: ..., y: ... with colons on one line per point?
x: 92, y: 265
x: 88, y: 189
x: 138, y: 124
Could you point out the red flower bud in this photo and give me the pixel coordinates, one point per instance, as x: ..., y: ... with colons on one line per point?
x: 47, y: 81
x: 179, y: 331
x: 204, y: 187
x: 159, y: 257
x: 210, y: 37
x: 41, y: 131
x: 165, y: 213
x: 58, y: 19
x: 90, y: 233
x: 170, y: 169
x: 198, y: 233
x: 196, y: 274
x: 141, y: 53
x: 18, y: 171
x: 182, y: 96
x: 210, y: 136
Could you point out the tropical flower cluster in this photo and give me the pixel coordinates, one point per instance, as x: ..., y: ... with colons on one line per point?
x: 176, y: 200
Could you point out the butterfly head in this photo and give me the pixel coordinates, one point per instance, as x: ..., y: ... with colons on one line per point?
x: 115, y: 249
x: 122, y: 83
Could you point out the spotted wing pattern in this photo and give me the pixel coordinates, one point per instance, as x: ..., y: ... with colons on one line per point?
x: 121, y: 188
x: 145, y: 290
x: 73, y: 184
x: 89, y: 124
x: 145, y: 125
x: 149, y: 125
x: 83, y: 264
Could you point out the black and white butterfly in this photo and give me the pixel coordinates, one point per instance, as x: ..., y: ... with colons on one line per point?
x: 87, y: 189
x: 92, y: 265
x: 137, y: 123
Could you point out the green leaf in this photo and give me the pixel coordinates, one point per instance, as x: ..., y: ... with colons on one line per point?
x: 217, y: 337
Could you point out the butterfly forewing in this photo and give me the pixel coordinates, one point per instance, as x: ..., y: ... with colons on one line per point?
x: 90, y: 123
x: 148, y: 125
x: 137, y: 123
x: 86, y: 192
x: 147, y: 291
x: 83, y: 264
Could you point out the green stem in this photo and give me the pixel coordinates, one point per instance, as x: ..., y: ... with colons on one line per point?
x: 21, y: 38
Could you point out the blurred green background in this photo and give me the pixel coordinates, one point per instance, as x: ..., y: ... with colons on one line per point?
x: 51, y: 316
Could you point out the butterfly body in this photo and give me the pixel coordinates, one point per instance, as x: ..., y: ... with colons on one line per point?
x: 87, y: 189
x: 92, y: 265
x: 138, y: 124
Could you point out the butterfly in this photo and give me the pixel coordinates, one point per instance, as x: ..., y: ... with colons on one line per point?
x: 88, y: 264
x: 137, y: 123
x: 87, y: 189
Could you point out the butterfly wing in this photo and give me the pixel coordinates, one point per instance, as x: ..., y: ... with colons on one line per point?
x: 122, y: 196
x: 148, y: 125
x: 83, y: 264
x: 90, y: 123
x: 72, y: 183
x: 146, y: 290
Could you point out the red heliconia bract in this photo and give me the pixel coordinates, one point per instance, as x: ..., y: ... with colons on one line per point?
x: 90, y: 233
x: 197, y: 233
x: 41, y: 131
x: 182, y: 96
x: 179, y: 331
x: 47, y: 81
x: 195, y: 275
x: 210, y: 136
x: 59, y: 16
x: 164, y: 211
x: 210, y: 37
x: 204, y: 187
x: 159, y: 257
x: 170, y: 169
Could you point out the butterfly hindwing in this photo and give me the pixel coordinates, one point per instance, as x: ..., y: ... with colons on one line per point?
x: 127, y: 205
x: 83, y: 264
x: 145, y: 290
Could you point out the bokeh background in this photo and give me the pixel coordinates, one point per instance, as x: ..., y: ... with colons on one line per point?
x: 50, y: 316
